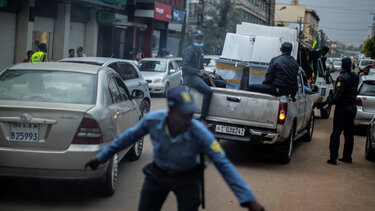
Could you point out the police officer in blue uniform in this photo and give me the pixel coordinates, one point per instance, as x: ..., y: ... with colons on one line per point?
x: 177, y: 140
x: 192, y: 64
x: 345, y: 111
x: 281, y: 76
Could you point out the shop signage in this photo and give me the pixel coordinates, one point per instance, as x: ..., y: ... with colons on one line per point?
x: 162, y: 12
x: 178, y: 15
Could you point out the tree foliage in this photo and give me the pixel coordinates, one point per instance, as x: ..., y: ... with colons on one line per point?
x: 217, y: 23
x: 369, y: 47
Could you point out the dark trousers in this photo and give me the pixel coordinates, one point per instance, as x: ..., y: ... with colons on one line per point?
x: 158, y: 184
x: 343, y: 120
x: 263, y: 88
x: 217, y: 82
x: 198, y: 83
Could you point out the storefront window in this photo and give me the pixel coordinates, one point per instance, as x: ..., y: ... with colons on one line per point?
x: 155, y: 42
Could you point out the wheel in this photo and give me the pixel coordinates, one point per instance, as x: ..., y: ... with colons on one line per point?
x: 370, y: 151
x: 283, y: 151
x: 325, y: 113
x: 310, y: 129
x: 110, y: 181
x: 144, y: 107
x: 136, y: 151
x: 166, y: 90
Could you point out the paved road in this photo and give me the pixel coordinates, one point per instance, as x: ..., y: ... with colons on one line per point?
x: 307, y: 183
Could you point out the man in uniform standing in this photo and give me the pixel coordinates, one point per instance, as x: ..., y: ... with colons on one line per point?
x: 345, y: 111
x: 281, y: 76
x: 177, y: 141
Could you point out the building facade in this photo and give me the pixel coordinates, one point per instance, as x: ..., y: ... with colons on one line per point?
x: 296, y: 16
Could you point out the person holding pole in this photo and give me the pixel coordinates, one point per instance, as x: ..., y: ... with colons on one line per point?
x: 177, y: 140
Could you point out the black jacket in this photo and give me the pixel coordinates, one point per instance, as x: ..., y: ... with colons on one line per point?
x: 192, y: 61
x: 345, y: 90
x: 282, y: 73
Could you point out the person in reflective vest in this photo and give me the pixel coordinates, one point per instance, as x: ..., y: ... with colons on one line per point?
x: 41, y: 55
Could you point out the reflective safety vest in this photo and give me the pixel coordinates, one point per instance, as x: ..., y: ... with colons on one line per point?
x: 39, y: 56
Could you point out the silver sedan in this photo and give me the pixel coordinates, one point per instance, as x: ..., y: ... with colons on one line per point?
x: 161, y: 74
x: 56, y: 116
x: 365, y: 100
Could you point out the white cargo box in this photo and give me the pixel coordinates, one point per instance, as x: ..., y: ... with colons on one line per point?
x: 238, y: 47
x: 265, y: 48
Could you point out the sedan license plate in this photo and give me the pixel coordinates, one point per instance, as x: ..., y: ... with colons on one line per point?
x: 230, y: 130
x: 24, y: 132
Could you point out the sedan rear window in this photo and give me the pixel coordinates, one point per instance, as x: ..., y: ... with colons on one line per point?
x: 367, y: 88
x: 152, y: 66
x: 48, y: 86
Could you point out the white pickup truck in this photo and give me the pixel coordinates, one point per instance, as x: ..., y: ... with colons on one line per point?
x: 258, y: 118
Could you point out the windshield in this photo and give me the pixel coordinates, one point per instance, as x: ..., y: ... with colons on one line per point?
x: 152, y: 66
x: 367, y: 88
x: 366, y: 62
x: 48, y: 86
x: 337, y: 62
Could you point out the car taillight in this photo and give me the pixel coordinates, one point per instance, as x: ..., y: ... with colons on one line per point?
x: 358, y: 101
x: 283, y: 107
x: 88, y: 133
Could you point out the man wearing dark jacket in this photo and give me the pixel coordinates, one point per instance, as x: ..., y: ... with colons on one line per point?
x: 192, y: 64
x: 345, y: 111
x: 281, y: 76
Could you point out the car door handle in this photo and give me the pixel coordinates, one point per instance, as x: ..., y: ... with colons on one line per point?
x: 234, y: 99
x: 139, y: 84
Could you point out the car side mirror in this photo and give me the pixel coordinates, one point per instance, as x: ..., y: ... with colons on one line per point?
x: 137, y: 94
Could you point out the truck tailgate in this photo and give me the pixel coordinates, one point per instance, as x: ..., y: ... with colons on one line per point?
x: 241, y: 107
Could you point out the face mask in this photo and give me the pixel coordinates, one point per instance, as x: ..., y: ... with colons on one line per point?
x: 200, y: 45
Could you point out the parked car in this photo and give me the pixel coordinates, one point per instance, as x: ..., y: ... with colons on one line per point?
x: 370, y: 141
x: 365, y: 100
x: 209, y: 62
x: 161, y: 74
x: 56, y: 116
x: 337, y: 64
x: 363, y: 63
x: 128, y: 71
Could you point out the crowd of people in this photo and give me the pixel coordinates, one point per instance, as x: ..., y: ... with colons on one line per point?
x: 41, y: 54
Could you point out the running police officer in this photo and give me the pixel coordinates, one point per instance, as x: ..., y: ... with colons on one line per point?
x: 177, y: 140
x: 345, y: 111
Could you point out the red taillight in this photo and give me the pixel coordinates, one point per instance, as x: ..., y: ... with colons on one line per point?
x: 88, y: 133
x: 283, y: 107
x: 358, y: 101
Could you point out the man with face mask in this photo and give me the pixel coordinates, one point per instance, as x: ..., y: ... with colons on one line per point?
x: 177, y: 140
x: 192, y: 66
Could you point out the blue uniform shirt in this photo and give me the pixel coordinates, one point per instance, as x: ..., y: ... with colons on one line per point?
x: 181, y: 153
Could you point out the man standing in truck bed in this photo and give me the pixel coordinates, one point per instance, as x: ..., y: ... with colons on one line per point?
x: 281, y: 76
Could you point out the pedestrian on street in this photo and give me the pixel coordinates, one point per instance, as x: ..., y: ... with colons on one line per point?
x: 41, y: 54
x: 192, y: 66
x: 345, y: 111
x: 281, y: 76
x: 71, y: 53
x: 80, y: 52
x: 29, y: 55
x: 177, y: 139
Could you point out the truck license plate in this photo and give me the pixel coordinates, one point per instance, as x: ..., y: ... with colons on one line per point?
x: 230, y: 130
x: 323, y: 92
x: 24, y: 132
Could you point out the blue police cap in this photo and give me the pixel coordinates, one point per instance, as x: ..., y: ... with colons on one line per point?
x: 180, y: 99
x: 346, y: 62
x: 198, y: 33
x: 286, y: 47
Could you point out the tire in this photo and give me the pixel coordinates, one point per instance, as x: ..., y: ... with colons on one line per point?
x: 283, y: 151
x: 144, y: 107
x: 310, y: 128
x: 325, y: 113
x: 111, y: 176
x: 369, y: 151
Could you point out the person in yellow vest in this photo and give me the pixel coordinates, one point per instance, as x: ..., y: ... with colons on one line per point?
x: 41, y: 55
